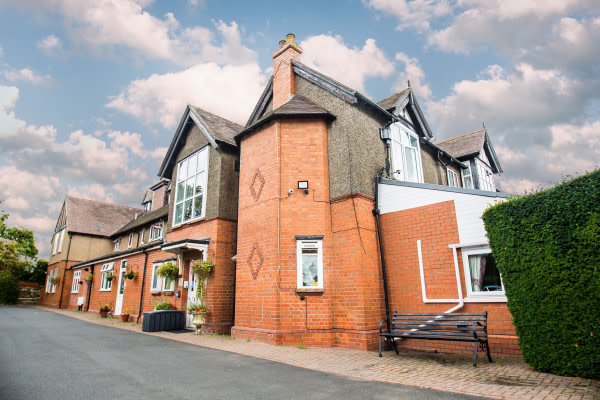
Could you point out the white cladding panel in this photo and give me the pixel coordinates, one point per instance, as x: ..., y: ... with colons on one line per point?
x: 468, y: 207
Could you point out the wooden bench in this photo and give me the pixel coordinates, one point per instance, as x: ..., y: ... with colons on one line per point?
x: 462, y: 327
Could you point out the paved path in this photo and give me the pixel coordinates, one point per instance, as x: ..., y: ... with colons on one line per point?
x: 51, y: 356
x: 507, y: 378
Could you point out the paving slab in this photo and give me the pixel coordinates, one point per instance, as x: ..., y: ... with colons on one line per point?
x: 506, y: 378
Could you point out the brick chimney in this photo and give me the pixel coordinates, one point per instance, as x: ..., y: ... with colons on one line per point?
x: 284, y: 83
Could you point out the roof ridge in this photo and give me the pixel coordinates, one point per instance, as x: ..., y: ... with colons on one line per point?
x: 463, y: 135
x: 214, y: 115
x: 101, y: 202
x: 392, y: 95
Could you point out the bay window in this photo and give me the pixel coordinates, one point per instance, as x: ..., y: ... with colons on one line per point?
x: 467, y: 176
x: 190, y: 199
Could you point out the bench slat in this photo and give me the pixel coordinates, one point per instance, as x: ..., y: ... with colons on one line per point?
x: 437, y: 328
x: 444, y: 314
x: 425, y: 333
x: 433, y: 318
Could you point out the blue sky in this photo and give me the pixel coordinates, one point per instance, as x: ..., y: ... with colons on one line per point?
x: 91, y: 91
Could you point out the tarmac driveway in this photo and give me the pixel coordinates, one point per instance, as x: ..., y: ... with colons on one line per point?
x: 50, y: 356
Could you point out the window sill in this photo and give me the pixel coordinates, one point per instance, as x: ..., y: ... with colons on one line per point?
x: 310, y: 290
x: 105, y: 290
x: 155, y: 292
x: 486, y: 299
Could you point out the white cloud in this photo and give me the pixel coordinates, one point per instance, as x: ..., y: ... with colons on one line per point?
x: 50, y: 45
x: 350, y: 66
x: 416, y: 13
x: 27, y: 75
x: 116, y: 27
x: 229, y: 91
x: 413, y: 73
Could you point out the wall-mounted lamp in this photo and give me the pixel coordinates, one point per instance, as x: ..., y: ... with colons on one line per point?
x: 303, y: 185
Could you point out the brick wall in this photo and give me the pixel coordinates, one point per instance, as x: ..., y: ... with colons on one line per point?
x: 436, y: 227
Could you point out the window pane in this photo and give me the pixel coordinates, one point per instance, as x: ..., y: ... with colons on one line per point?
x: 414, y: 142
x: 189, y: 188
x: 178, y: 213
x: 411, y: 165
x: 485, y: 276
x: 198, y: 206
x: 180, y: 191
x: 310, y: 267
x: 199, y: 182
x: 122, y: 282
x: 182, y: 171
x: 468, y: 182
x: 187, y: 210
x: 192, y: 161
x: 202, y: 160
x: 154, y: 279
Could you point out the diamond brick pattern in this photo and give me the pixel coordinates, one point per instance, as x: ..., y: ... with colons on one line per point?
x: 255, y: 260
x: 256, y: 187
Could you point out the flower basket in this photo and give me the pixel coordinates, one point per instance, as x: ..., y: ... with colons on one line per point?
x: 168, y: 270
x: 129, y: 274
x: 202, y: 269
x: 89, y: 279
x: 55, y: 279
x: 199, y: 310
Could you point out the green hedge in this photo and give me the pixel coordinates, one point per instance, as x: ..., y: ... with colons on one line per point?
x: 9, y: 287
x: 547, y: 248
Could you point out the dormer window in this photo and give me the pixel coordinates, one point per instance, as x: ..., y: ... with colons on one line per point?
x: 486, y: 176
x: 130, y: 243
x: 190, y: 199
x: 156, y: 232
x: 406, y: 154
x: 452, y: 178
x: 467, y: 176
x: 147, y: 206
x: 118, y: 244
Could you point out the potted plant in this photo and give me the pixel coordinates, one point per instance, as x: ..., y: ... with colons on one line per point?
x: 126, y: 313
x: 202, y: 269
x: 89, y: 279
x: 55, y: 279
x: 168, y: 270
x: 163, y: 305
x: 130, y: 274
x: 104, y: 309
x: 199, y: 310
x: 110, y: 276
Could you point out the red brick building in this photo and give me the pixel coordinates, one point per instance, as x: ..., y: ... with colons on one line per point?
x: 287, y: 209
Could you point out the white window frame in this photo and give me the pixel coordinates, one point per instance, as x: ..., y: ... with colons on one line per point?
x: 405, y: 140
x: 60, y: 242
x: 452, y: 178
x: 472, y: 295
x: 117, y: 244
x: 48, y: 276
x: 130, y: 242
x: 155, y: 282
x: 142, y: 236
x: 76, y: 279
x: 55, y: 244
x: 309, y: 244
x: 54, y: 284
x: 105, y: 284
x: 467, y: 174
x: 156, y: 232
x: 187, y: 175
x: 486, y: 176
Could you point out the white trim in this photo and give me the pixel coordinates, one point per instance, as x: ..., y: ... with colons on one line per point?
x: 155, y: 288
x: 309, y: 245
x: 405, y: 140
x: 452, y: 178
x: 495, y: 296
x: 105, y: 284
x: 467, y: 173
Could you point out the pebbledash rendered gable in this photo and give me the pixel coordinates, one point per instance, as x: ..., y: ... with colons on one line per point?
x: 222, y: 184
x: 356, y: 153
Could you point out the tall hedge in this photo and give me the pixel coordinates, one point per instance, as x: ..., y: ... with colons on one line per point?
x: 547, y: 248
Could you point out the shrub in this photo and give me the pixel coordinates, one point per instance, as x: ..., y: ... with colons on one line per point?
x: 9, y: 287
x: 547, y: 247
x: 163, y: 305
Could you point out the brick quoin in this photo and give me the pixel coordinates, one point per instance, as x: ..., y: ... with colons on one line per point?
x: 436, y: 226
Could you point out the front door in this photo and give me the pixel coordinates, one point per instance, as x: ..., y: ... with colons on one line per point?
x: 192, y: 288
x: 119, y: 303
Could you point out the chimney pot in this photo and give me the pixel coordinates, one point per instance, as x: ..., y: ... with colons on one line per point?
x: 281, y: 43
x: 290, y: 37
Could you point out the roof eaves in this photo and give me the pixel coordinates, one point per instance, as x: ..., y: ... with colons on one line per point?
x: 492, y: 154
x: 198, y: 121
x: 326, y: 83
x: 172, y: 146
x: 264, y: 99
x: 418, y: 114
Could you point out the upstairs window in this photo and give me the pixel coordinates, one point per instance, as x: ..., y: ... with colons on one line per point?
x: 406, y: 155
x: 60, y: 241
x: 130, y: 243
x: 156, y: 232
x: 118, y: 244
x: 55, y: 247
x: 486, y: 177
x: 452, y: 178
x: 147, y: 206
x: 467, y: 177
x: 142, y: 236
x: 190, y: 191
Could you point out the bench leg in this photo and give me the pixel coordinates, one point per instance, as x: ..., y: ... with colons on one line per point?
x: 475, y: 354
x: 487, y: 347
x: 380, y: 337
x: 395, y: 346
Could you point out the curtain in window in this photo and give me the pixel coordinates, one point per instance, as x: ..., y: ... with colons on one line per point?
x: 477, y: 267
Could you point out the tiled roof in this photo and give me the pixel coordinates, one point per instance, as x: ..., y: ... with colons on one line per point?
x: 297, y: 106
x: 96, y: 218
x: 394, y: 100
x: 465, y: 145
x: 222, y: 129
x: 146, y: 219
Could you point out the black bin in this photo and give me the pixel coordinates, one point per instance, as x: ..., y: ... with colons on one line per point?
x: 163, y: 320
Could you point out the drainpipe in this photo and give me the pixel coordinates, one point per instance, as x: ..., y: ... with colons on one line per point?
x: 383, y: 272
x: 62, y: 288
x: 89, y: 290
x: 142, y: 290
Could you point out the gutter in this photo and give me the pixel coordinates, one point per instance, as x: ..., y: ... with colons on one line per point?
x: 62, y: 288
x: 142, y: 290
x: 376, y: 214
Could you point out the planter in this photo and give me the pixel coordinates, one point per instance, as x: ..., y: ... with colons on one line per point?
x: 124, y: 317
x: 199, y: 320
x: 130, y: 276
x: 103, y: 314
